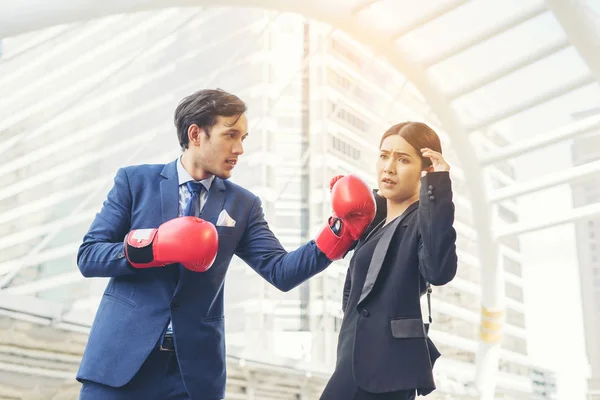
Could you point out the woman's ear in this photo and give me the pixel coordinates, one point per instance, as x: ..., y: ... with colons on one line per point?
x: 427, y: 170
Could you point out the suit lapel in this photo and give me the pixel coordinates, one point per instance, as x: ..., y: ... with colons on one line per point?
x: 169, y: 204
x: 169, y: 192
x: 381, y: 250
x: 214, y: 202
x: 380, y: 214
x: 210, y: 212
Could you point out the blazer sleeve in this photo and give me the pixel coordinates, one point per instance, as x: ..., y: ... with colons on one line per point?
x: 102, y: 254
x: 263, y: 252
x: 437, y: 238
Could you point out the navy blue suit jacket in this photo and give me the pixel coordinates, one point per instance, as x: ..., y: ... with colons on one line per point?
x: 138, y: 303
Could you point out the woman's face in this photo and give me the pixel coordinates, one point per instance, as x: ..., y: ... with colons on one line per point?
x: 398, y: 169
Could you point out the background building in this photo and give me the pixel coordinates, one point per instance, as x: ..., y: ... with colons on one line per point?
x: 586, y: 149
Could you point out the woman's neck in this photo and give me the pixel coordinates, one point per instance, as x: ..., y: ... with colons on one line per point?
x: 396, y: 208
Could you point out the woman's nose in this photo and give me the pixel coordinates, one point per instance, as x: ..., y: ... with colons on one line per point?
x: 389, y: 166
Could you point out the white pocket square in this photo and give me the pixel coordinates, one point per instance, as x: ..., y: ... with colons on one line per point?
x: 225, y: 220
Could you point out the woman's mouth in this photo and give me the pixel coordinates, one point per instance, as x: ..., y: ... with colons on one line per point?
x: 388, y: 181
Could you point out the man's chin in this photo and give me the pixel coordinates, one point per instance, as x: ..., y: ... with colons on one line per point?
x: 223, y: 175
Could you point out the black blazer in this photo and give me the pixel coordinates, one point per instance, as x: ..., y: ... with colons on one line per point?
x: 391, y: 348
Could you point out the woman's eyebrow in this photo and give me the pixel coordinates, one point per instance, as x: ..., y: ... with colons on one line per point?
x: 400, y: 153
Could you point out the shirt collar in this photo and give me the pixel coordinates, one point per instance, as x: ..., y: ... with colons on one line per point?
x: 185, y: 177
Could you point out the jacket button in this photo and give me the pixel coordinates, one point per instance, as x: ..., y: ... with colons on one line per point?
x: 174, y: 306
x: 364, y: 313
x: 432, y: 198
x: 121, y: 255
x: 430, y: 187
x: 429, y: 192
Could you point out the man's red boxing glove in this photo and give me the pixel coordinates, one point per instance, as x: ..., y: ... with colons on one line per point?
x: 186, y: 240
x: 353, y: 210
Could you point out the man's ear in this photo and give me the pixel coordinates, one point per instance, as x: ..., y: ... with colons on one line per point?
x: 194, y: 132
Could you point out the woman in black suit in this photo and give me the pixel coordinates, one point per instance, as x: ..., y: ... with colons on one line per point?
x: 384, y: 352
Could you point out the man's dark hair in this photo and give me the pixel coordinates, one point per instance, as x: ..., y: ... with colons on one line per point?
x: 202, y: 108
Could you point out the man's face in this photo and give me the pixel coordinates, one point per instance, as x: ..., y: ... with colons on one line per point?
x: 218, y: 152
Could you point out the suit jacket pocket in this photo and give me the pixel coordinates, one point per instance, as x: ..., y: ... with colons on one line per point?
x: 214, y: 318
x: 404, y: 328
x: 225, y: 230
x: 119, y: 299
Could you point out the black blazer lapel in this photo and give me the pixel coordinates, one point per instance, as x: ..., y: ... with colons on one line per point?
x: 169, y: 192
x: 380, y: 214
x: 381, y: 250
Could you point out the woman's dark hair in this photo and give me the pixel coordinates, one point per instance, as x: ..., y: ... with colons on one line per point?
x: 202, y: 108
x: 418, y: 135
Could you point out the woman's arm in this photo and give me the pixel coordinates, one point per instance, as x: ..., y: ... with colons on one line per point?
x: 437, y: 237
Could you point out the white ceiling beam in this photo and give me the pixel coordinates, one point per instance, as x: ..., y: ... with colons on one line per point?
x: 570, y: 175
x: 580, y: 23
x: 556, y: 219
x: 515, y: 65
x: 429, y: 17
x: 540, y: 98
x: 542, y: 140
x: 493, y: 31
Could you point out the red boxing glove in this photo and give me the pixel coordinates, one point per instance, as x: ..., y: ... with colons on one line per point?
x: 333, y: 181
x: 186, y: 240
x: 353, y: 210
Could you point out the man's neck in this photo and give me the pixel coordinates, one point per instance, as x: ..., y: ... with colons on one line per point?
x: 195, y: 171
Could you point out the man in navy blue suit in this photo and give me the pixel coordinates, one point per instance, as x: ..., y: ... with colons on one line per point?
x: 166, y: 235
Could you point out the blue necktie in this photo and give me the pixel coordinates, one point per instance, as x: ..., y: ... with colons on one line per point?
x: 193, y: 206
x: 191, y: 211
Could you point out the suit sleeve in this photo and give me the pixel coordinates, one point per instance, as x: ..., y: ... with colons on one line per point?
x: 263, y: 252
x: 437, y: 240
x: 101, y: 254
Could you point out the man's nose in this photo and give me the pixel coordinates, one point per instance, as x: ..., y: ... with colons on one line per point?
x: 238, y: 147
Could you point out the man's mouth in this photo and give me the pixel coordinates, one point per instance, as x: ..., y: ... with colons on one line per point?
x: 232, y: 162
x: 388, y: 181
